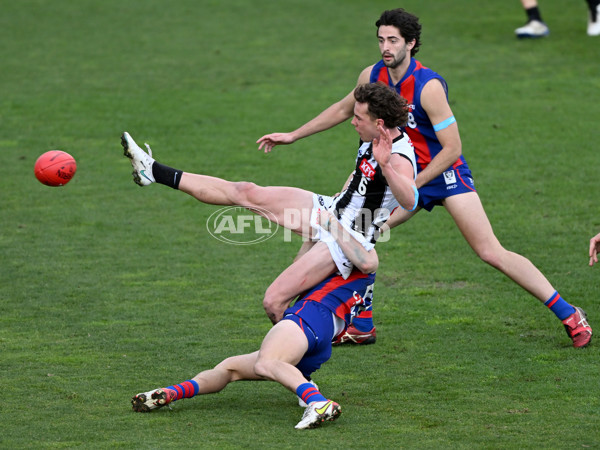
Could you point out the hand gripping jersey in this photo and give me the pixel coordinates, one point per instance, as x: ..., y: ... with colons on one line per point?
x: 419, y: 127
x: 341, y: 295
x: 368, y: 201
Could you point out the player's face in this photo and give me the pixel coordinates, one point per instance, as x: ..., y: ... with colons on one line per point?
x: 394, y: 49
x: 365, y: 125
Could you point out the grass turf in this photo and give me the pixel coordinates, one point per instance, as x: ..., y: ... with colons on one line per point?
x: 109, y: 290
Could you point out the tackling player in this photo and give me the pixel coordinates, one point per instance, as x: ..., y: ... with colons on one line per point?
x: 295, y: 347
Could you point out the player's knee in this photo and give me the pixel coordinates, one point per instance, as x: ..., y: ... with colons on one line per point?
x: 490, y: 256
x: 246, y: 193
x: 228, y: 369
x: 262, y: 368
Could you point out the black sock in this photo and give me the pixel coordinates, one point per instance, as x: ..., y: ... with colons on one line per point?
x: 166, y: 175
x: 533, y: 14
x: 592, y: 5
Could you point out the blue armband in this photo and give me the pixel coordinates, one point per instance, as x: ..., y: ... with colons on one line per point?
x: 444, y: 124
x: 416, y: 201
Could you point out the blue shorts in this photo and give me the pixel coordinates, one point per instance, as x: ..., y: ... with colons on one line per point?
x: 451, y: 182
x: 317, y: 323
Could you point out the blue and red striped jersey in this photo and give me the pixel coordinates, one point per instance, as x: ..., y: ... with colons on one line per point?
x: 340, y: 295
x: 419, y: 128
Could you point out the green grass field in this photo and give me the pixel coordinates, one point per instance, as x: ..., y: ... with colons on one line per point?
x: 108, y: 289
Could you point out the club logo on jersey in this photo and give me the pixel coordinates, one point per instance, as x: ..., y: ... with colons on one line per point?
x: 241, y: 226
x: 450, y: 177
x: 367, y: 169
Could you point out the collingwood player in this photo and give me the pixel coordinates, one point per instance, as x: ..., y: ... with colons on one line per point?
x: 361, y: 208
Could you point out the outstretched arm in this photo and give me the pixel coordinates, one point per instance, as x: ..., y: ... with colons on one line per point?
x: 594, y: 249
x: 330, y: 117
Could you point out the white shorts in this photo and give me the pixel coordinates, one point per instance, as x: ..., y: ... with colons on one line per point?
x: 343, y: 264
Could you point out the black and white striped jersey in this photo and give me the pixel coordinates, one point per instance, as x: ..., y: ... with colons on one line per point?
x: 367, y: 203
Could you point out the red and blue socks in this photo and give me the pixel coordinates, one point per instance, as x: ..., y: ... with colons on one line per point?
x: 187, y: 389
x: 309, y: 393
x: 558, y: 306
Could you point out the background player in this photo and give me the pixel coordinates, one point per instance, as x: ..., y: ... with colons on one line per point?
x: 536, y: 27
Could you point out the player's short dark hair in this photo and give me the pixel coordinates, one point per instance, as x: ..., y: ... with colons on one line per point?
x: 383, y: 103
x: 408, y: 25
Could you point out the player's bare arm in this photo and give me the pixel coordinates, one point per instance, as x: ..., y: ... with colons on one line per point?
x: 305, y: 247
x: 363, y: 260
x: 397, y: 170
x: 330, y: 117
x: 433, y: 99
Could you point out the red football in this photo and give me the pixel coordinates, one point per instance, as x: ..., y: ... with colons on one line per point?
x: 55, y: 168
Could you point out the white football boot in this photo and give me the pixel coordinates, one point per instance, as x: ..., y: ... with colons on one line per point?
x: 147, y: 401
x: 593, y: 28
x: 318, y: 412
x: 533, y: 29
x: 140, y: 160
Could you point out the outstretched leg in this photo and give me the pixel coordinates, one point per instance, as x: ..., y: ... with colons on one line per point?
x: 282, y: 348
x: 235, y: 368
x: 469, y: 215
x: 287, y: 206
